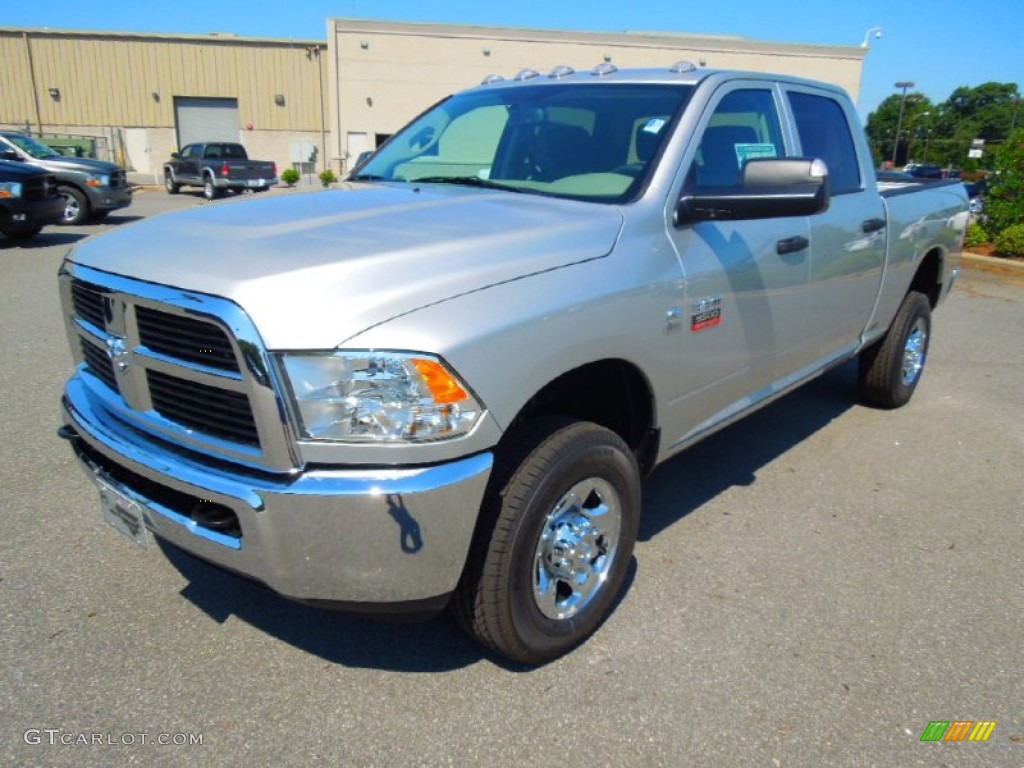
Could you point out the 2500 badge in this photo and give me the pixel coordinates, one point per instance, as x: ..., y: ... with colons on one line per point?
x: 707, y: 313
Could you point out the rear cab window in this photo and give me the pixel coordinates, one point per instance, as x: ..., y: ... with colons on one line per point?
x: 824, y: 132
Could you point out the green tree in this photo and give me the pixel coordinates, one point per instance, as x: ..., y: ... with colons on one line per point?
x: 881, y: 125
x: 943, y: 133
x: 1005, y: 205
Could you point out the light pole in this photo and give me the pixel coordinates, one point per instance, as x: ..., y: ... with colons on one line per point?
x: 876, y: 31
x: 904, y: 84
x: 927, y: 135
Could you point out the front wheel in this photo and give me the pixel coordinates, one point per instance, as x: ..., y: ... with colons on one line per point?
x: 170, y: 184
x: 555, y: 541
x: 76, y: 206
x: 891, y: 369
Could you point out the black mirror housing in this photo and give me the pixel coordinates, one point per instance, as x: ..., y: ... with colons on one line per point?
x: 769, y: 188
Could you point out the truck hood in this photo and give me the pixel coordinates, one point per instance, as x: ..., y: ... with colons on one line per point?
x: 83, y: 164
x: 315, y: 269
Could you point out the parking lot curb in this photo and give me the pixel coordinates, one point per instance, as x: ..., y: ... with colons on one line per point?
x: 992, y: 264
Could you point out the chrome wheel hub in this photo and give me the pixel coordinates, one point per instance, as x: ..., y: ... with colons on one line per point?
x: 70, y: 208
x: 914, y: 352
x: 576, y: 548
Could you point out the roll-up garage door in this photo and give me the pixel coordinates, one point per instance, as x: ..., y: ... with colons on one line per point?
x: 201, y: 119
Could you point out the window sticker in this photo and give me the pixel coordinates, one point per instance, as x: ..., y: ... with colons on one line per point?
x: 654, y: 125
x: 746, y: 152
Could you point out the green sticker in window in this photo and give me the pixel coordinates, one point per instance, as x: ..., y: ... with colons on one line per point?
x: 746, y: 152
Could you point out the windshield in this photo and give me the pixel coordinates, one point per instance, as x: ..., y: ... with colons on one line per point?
x: 586, y: 141
x: 31, y: 147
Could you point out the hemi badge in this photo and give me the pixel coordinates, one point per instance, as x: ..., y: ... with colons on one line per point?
x: 707, y: 313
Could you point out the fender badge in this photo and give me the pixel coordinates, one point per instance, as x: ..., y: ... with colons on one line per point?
x: 707, y: 313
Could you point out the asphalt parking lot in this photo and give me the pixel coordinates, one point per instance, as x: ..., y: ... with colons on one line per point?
x: 812, y: 587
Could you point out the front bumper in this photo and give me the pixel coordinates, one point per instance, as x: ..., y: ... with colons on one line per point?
x: 363, y: 538
x: 26, y: 215
x: 109, y: 198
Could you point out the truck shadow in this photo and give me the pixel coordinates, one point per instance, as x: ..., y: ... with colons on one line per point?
x: 733, y: 456
x: 682, y: 485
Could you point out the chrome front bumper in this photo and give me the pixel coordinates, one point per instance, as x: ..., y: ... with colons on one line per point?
x: 364, y: 537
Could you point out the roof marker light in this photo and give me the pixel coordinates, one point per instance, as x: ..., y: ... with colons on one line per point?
x: 526, y: 74
x: 604, y: 68
x: 561, y: 71
x: 492, y: 79
x: 682, y: 66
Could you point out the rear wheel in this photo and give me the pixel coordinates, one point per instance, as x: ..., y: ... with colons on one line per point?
x: 891, y: 369
x: 555, y: 541
x: 76, y: 206
x: 210, y: 191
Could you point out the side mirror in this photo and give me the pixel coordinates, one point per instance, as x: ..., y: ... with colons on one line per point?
x: 10, y: 154
x: 769, y: 188
x: 175, y: 156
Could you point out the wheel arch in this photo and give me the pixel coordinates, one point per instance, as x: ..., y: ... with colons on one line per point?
x: 613, y: 393
x: 928, y: 277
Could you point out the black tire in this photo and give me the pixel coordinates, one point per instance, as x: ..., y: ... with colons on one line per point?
x: 170, y: 184
x: 76, y: 206
x: 891, y: 368
x: 519, y: 594
x: 22, y: 234
x: 210, y: 190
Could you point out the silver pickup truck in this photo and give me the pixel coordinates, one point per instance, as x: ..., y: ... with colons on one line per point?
x: 444, y: 383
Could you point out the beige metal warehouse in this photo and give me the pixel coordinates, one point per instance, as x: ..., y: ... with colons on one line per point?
x: 383, y: 73
x: 142, y: 95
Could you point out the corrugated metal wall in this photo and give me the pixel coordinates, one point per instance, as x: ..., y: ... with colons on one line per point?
x: 131, y: 80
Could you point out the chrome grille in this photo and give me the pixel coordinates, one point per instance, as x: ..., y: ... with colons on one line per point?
x: 99, y: 364
x: 186, y: 367
x: 210, y: 410
x: 185, y: 338
x: 88, y: 302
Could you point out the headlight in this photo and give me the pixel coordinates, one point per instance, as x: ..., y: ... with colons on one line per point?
x: 378, y: 397
x: 10, y: 189
x: 97, y: 180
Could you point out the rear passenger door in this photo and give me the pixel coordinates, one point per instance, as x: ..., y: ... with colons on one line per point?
x: 848, y: 240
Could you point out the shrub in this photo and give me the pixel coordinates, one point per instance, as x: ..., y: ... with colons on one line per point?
x: 289, y: 176
x: 327, y: 177
x: 1005, y: 204
x: 976, y: 235
x: 1010, y: 242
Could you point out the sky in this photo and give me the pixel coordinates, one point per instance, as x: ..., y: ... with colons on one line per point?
x: 937, y: 44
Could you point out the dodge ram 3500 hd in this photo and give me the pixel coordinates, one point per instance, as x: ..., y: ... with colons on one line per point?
x: 444, y: 383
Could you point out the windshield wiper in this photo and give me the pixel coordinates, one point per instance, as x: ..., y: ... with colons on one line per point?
x: 467, y: 181
x: 367, y: 177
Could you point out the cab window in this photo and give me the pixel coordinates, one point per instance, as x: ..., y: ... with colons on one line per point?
x: 744, y: 126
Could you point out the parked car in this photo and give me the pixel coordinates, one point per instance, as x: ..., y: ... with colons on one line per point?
x: 29, y: 200
x: 444, y: 383
x: 926, y: 171
x: 91, y: 188
x: 217, y: 167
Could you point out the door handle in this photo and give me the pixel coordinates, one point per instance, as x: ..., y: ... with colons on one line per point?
x: 792, y: 244
x: 872, y: 225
